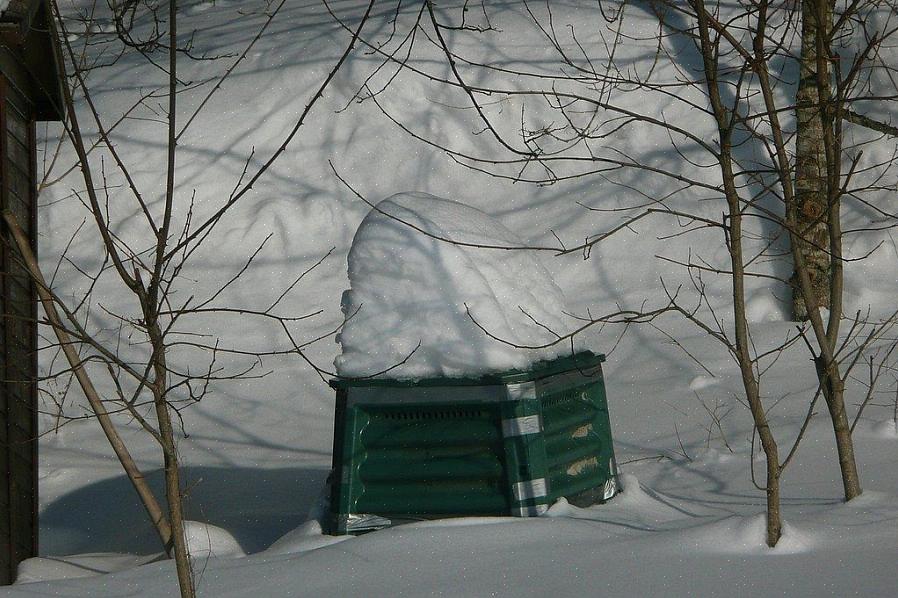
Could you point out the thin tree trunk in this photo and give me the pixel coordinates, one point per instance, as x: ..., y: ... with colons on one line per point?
x: 771, y: 454
x: 147, y: 498
x: 159, y: 388
x: 834, y: 394
x: 743, y: 355
x: 149, y: 298
x: 741, y: 348
x: 172, y: 467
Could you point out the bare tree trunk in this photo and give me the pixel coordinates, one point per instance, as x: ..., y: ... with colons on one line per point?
x: 149, y: 275
x: 147, y: 498
x: 810, y: 162
x: 749, y: 376
x: 172, y: 466
x: 741, y: 348
x: 150, y: 300
x: 819, y: 239
x: 774, y: 469
x: 834, y: 394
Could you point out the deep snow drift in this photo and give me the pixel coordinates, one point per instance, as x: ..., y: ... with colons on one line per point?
x: 429, y: 288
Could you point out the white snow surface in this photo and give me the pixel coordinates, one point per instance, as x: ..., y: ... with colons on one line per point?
x: 259, y: 450
x: 428, y: 299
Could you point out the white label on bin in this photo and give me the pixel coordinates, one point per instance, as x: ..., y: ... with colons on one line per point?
x: 529, y: 511
x: 530, y: 489
x: 521, y: 391
x: 519, y: 426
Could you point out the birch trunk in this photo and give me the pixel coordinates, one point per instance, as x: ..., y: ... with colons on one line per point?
x: 810, y: 165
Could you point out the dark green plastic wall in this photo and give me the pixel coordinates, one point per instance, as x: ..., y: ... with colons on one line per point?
x: 508, y: 444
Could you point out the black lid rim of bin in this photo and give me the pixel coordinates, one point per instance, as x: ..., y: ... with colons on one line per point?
x: 583, y: 360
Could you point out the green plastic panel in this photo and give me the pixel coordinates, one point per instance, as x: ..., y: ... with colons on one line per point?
x: 504, y: 444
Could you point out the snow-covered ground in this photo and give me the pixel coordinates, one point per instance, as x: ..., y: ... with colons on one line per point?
x: 689, y: 521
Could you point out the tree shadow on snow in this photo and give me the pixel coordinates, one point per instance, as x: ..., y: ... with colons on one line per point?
x: 257, y: 506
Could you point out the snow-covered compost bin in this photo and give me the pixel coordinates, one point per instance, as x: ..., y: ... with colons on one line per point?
x: 433, y: 416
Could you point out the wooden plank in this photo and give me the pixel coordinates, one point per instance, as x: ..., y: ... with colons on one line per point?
x: 19, y: 315
x: 20, y: 435
x: 18, y: 335
x: 18, y: 294
x: 20, y: 431
x: 18, y: 319
x: 17, y: 127
x: 18, y: 288
x: 15, y: 368
x: 20, y: 470
x: 18, y: 459
x: 22, y: 516
x: 14, y: 380
x: 18, y: 327
x: 21, y: 452
x: 17, y: 277
x: 17, y: 154
x: 6, y: 551
x: 20, y: 189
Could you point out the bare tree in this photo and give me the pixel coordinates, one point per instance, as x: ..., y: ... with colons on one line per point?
x: 142, y: 362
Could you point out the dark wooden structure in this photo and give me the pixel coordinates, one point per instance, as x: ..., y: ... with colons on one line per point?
x: 29, y: 91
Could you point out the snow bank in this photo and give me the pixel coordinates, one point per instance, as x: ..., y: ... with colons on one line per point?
x: 635, y: 507
x: 412, y: 283
x: 304, y: 538
x: 83, y: 565
x: 205, y: 540
x: 746, y: 535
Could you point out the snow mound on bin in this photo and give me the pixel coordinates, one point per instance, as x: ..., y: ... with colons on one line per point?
x: 408, y: 287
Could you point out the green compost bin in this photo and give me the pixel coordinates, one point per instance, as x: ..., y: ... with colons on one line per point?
x: 503, y: 444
